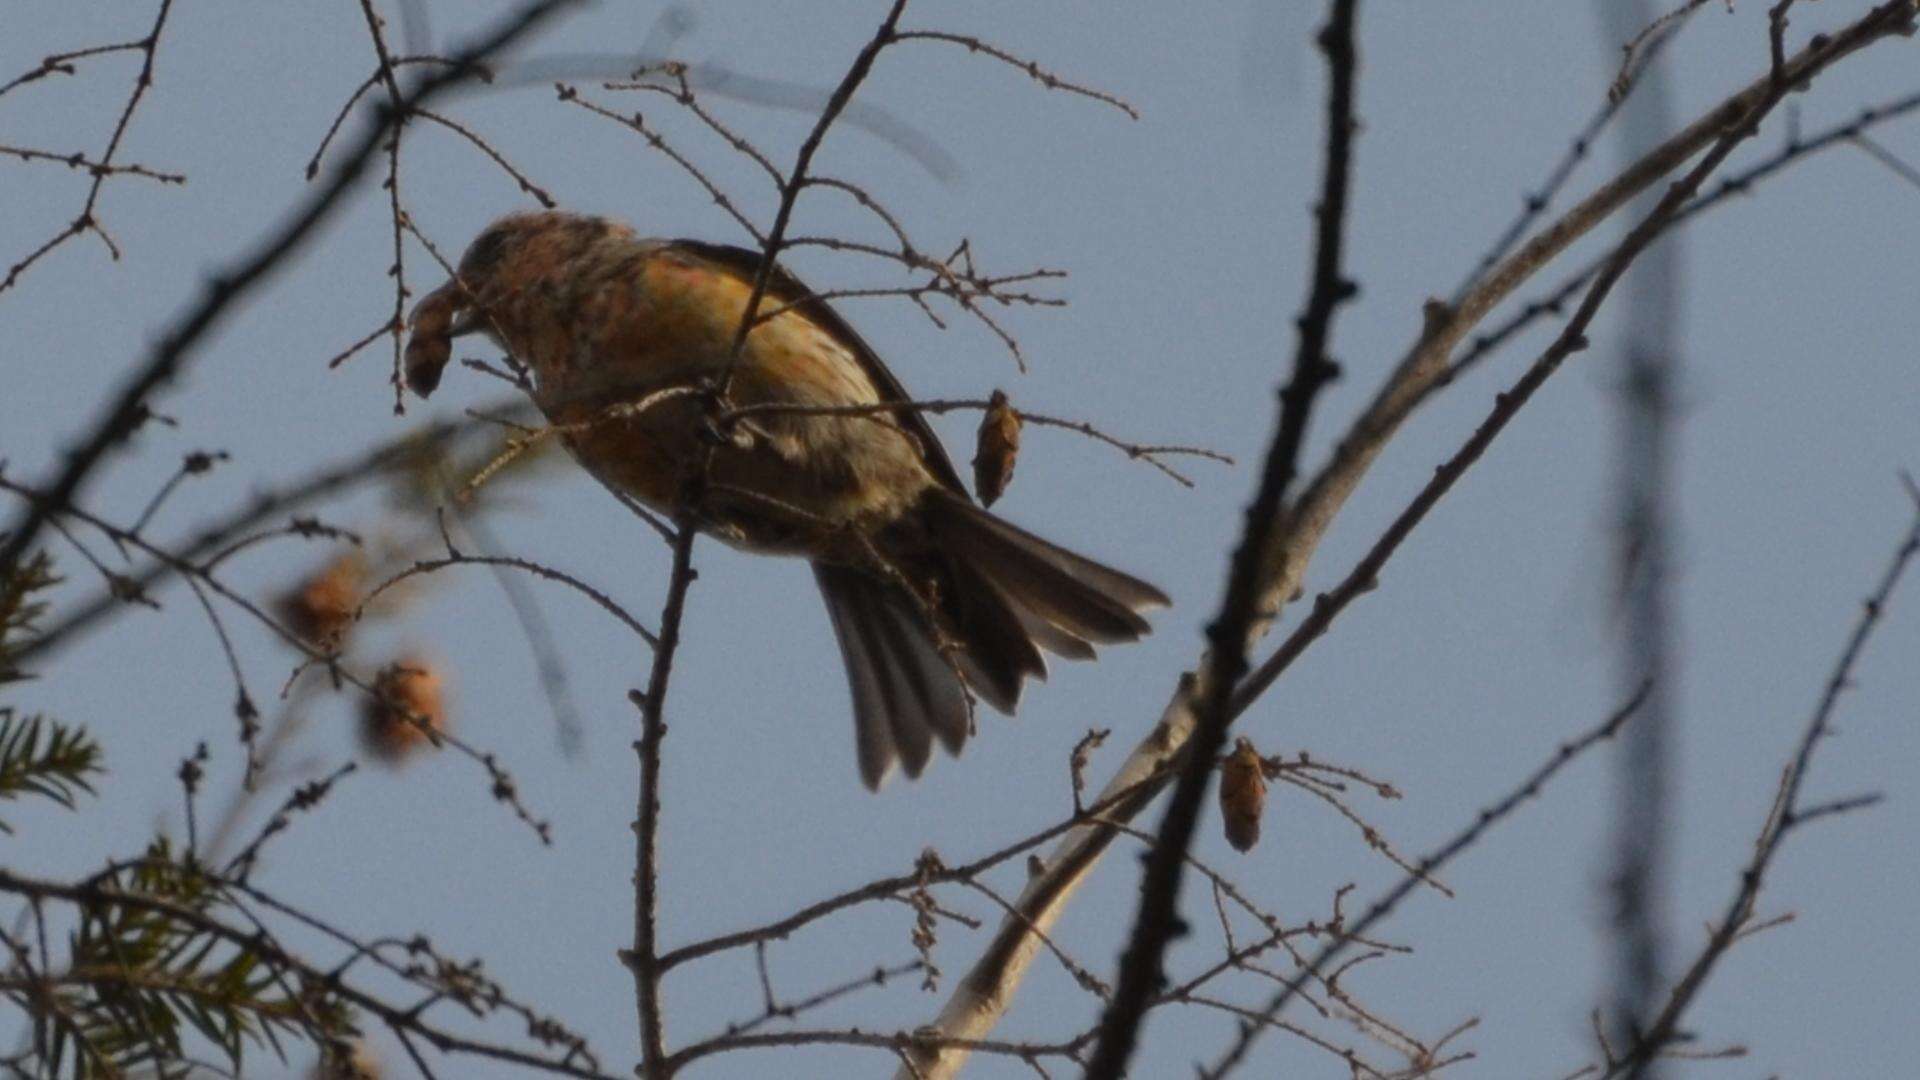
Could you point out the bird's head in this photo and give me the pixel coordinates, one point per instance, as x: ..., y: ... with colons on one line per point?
x: 505, y: 262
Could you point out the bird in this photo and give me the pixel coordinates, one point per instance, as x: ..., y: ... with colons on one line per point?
x: 627, y: 343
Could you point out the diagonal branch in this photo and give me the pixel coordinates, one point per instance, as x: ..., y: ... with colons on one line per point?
x: 1788, y: 813
x: 1231, y: 635
x: 796, y: 182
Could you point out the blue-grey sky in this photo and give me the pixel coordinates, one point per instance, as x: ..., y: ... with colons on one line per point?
x: 1186, y: 235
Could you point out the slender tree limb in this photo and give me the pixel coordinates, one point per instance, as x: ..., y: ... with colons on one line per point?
x: 1034, y: 71
x: 1792, y: 150
x: 885, y: 888
x: 1507, y: 404
x: 62, y: 63
x: 460, y: 558
x: 96, y: 168
x: 796, y: 181
x: 1639, y: 54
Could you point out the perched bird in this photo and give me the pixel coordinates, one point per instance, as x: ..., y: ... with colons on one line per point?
x: 629, y: 340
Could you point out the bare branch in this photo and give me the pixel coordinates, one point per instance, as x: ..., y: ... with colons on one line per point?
x: 1034, y: 71
x: 179, y: 343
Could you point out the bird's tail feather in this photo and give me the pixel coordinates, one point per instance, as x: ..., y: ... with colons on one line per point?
x: 904, y: 691
x: 1005, y: 594
x: 1045, y: 582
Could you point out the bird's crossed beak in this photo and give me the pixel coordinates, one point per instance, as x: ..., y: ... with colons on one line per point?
x: 440, y: 316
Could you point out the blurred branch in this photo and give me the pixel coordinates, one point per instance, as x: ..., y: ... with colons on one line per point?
x: 202, y: 580
x: 1894, y: 162
x: 549, y: 662
x: 1645, y: 507
x: 370, y: 466
x: 1034, y: 71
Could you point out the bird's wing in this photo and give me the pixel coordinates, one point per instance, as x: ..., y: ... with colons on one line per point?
x: 784, y: 288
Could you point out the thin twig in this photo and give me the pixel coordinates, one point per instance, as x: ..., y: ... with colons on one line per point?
x: 772, y: 245
x: 1034, y: 71
x: 882, y: 411
x: 644, y: 959
x: 461, y: 558
x: 1428, y: 865
x: 96, y: 168
x: 88, y: 219
x: 179, y: 343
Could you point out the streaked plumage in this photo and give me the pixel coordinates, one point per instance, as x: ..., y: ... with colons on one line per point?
x: 925, y: 590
